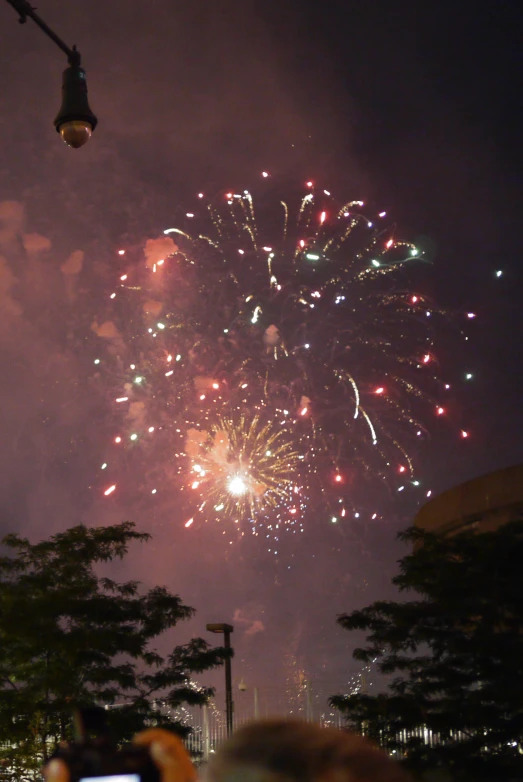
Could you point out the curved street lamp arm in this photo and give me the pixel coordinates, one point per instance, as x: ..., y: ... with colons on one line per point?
x: 24, y: 9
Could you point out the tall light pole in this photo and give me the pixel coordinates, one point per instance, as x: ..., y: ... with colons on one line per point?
x: 242, y: 688
x: 226, y: 630
x: 75, y: 121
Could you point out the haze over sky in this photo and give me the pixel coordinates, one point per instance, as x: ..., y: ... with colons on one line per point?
x: 414, y: 105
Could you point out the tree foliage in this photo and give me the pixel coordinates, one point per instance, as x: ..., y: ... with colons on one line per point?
x: 71, y: 637
x: 454, y: 652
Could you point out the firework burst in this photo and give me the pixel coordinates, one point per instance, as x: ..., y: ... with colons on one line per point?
x: 242, y: 468
x: 270, y: 354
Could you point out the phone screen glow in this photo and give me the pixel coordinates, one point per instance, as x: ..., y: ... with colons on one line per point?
x: 113, y: 778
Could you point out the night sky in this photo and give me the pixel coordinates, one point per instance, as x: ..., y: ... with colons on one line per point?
x: 416, y: 106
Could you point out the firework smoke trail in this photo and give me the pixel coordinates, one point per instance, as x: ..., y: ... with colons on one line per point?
x: 269, y: 361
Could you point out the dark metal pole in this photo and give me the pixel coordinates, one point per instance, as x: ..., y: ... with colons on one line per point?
x: 221, y: 627
x: 228, y: 680
x: 25, y: 9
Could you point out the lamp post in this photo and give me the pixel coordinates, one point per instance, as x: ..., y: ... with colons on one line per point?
x: 75, y: 121
x: 226, y: 630
x: 243, y: 688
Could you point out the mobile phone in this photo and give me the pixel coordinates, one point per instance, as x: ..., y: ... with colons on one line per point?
x: 95, y: 757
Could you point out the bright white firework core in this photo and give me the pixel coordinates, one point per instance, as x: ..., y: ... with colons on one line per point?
x: 236, y: 485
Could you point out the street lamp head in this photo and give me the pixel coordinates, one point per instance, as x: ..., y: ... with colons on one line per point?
x: 75, y: 121
x: 75, y: 133
x: 219, y: 628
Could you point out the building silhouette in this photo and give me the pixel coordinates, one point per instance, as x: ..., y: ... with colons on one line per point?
x: 482, y: 504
